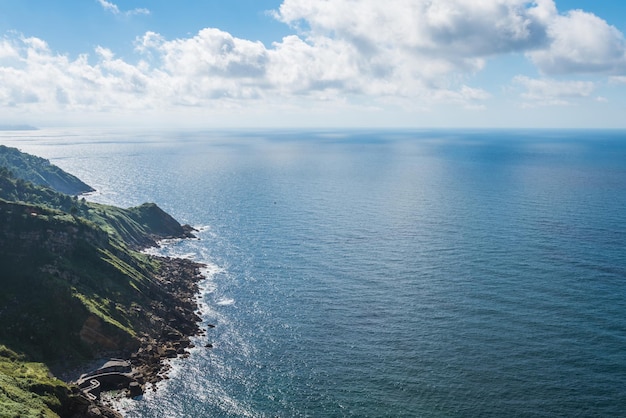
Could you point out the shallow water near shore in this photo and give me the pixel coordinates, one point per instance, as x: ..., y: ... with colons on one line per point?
x: 388, y: 273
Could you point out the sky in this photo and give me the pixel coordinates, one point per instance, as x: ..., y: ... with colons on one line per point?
x: 314, y: 63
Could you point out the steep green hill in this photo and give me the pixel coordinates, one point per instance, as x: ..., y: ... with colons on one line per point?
x: 58, y: 270
x: 28, y: 390
x: 138, y: 227
x: 73, y: 284
x: 39, y: 171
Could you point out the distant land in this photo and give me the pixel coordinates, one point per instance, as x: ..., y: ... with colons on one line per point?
x: 74, y: 285
x: 17, y: 128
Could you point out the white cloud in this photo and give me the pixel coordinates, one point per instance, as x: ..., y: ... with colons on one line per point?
x: 408, y: 48
x: 581, y: 42
x: 463, y: 33
x: 41, y: 80
x: 7, y: 50
x: 363, y: 53
x: 109, y: 6
x: 139, y: 11
x: 209, y: 66
x: 214, y: 64
x: 113, y: 8
x: 451, y: 28
x: 543, y: 92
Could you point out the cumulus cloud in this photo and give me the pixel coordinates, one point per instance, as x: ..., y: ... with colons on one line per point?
x: 461, y: 34
x: 404, y: 47
x: 416, y: 47
x: 452, y: 28
x: 215, y: 64
x: 409, y: 48
x: 208, y: 66
x: 543, y: 92
x: 364, y: 52
x: 38, y: 77
x: 581, y: 42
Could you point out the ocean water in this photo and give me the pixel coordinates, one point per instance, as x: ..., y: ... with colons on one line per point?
x: 384, y: 273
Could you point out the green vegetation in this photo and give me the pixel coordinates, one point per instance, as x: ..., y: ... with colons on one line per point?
x: 39, y: 171
x: 72, y: 280
x: 27, y: 389
x: 137, y: 227
x: 59, y: 269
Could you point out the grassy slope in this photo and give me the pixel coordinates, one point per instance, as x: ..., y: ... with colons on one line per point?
x: 67, y: 271
x: 39, y: 171
x: 20, y: 380
x: 64, y: 262
x: 138, y: 227
x: 58, y: 270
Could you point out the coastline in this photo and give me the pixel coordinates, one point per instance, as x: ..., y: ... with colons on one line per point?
x: 174, y: 321
x: 178, y: 320
x: 78, y: 289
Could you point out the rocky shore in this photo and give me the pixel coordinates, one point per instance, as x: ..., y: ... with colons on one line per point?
x: 173, y: 320
x: 76, y: 286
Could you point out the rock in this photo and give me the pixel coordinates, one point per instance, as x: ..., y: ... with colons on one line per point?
x: 92, y: 333
x: 172, y: 334
x: 135, y: 389
x: 94, y: 412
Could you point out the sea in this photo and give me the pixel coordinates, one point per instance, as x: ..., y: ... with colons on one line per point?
x: 382, y: 273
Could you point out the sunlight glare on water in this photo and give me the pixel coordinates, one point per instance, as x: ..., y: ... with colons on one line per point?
x: 426, y: 273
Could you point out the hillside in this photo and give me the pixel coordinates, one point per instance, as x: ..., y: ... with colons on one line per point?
x: 137, y: 227
x: 39, y: 171
x: 74, y: 285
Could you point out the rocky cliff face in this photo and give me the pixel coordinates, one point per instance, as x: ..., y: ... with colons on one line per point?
x: 26, y: 230
x: 72, y: 284
x: 139, y: 227
x: 53, y: 276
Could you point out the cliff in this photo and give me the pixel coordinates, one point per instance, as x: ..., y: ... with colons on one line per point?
x: 39, y: 171
x: 138, y: 227
x: 73, y: 285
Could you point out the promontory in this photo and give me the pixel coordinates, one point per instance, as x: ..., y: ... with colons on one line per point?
x: 75, y: 286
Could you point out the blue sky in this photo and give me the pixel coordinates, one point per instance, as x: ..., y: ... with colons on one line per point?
x: 305, y: 63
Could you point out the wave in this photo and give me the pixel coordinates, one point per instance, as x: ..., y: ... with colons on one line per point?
x: 225, y: 301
